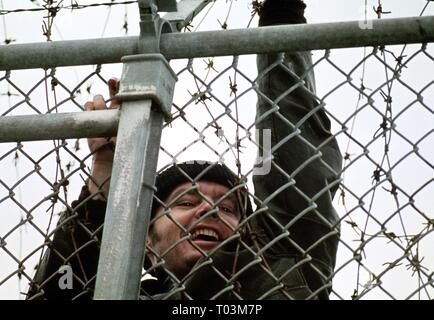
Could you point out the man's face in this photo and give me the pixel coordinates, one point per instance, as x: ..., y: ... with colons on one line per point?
x: 206, y: 212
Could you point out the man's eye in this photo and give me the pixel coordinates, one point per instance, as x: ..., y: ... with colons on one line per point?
x: 227, y: 209
x: 186, y: 204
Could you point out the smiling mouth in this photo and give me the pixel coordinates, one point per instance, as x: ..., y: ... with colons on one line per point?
x: 207, y: 235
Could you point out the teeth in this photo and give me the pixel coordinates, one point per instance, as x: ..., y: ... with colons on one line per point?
x: 206, y: 232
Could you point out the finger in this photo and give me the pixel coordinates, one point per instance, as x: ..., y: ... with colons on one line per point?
x: 88, y: 106
x: 99, y: 102
x: 113, y: 85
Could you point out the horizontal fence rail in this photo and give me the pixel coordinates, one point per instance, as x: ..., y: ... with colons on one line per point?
x: 220, y: 43
x: 52, y: 126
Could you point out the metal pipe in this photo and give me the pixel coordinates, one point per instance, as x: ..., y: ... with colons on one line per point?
x: 219, y: 43
x: 301, y: 37
x: 66, y: 53
x: 100, y: 123
x: 149, y: 80
x: 129, y: 202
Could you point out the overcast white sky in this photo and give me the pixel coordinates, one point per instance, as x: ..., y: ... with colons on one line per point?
x: 410, y: 173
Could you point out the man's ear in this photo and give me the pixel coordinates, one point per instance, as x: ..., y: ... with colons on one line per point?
x: 148, y: 252
x: 149, y: 242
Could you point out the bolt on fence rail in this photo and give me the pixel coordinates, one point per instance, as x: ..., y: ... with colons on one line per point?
x: 146, y: 100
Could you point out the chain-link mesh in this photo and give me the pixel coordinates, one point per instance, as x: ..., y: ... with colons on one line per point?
x: 379, y: 103
x: 37, y: 176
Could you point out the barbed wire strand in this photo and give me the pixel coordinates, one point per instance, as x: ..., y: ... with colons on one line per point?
x: 75, y: 6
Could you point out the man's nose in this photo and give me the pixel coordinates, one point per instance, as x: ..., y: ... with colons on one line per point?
x: 204, y: 208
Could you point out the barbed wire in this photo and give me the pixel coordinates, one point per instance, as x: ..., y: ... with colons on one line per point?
x: 53, y: 7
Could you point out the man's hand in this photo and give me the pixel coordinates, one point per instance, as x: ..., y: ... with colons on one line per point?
x: 275, y: 12
x: 102, y: 148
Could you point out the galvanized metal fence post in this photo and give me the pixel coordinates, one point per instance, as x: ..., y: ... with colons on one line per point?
x: 146, y: 93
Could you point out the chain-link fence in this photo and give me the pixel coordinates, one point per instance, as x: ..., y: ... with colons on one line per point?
x: 344, y: 160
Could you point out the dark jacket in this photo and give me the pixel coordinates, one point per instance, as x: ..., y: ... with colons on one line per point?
x: 290, y: 251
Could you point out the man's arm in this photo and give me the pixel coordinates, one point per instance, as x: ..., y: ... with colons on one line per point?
x: 76, y: 240
x: 299, y: 189
x: 72, y: 254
